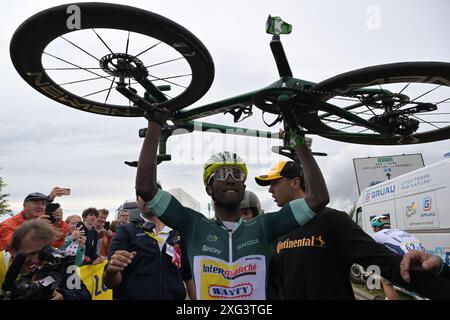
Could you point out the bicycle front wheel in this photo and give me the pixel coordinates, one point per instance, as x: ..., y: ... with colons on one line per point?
x: 399, y: 103
x: 76, y: 54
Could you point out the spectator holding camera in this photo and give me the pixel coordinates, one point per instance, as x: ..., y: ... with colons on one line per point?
x: 74, y: 243
x: 34, y: 206
x: 28, y: 242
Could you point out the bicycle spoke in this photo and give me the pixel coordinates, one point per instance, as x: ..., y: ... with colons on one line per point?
x: 100, y: 91
x: 363, y: 112
x: 370, y: 109
x: 81, y: 68
x: 441, y: 121
x: 424, y: 121
x: 404, y: 88
x: 361, y: 101
x: 443, y: 101
x: 96, y: 92
x: 128, y: 42
x: 426, y: 93
x: 112, y: 83
x: 173, y: 77
x: 102, y: 41
x: 347, y: 99
x: 157, y: 64
x: 80, y: 49
x: 381, y: 89
x: 167, y: 96
x: 338, y: 121
x: 147, y: 49
x: 64, y: 69
x: 78, y: 81
x: 176, y: 84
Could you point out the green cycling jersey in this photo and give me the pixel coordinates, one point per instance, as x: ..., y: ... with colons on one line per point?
x: 229, y: 264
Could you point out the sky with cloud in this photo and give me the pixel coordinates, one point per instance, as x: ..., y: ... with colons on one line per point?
x: 45, y: 144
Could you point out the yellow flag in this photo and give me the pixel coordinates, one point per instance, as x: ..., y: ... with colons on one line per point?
x: 92, y: 278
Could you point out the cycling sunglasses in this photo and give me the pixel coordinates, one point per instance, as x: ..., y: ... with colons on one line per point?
x: 222, y: 173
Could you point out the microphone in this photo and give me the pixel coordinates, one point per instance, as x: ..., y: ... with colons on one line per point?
x: 13, y: 271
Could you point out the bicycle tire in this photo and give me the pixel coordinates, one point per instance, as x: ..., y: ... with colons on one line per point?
x: 31, y: 38
x: 344, y: 85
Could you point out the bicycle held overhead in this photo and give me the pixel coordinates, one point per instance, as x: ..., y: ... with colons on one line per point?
x: 104, y: 67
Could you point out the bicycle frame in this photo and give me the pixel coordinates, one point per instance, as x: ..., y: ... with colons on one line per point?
x: 242, y: 104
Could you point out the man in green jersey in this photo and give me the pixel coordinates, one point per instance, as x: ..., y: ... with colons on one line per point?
x: 228, y: 256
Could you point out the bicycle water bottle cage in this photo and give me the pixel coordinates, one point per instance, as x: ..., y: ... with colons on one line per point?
x: 276, y: 26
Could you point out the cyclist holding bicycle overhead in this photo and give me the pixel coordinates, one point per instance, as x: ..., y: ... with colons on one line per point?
x: 228, y: 256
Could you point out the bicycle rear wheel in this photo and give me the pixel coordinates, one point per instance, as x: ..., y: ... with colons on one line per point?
x: 81, y: 67
x: 399, y: 103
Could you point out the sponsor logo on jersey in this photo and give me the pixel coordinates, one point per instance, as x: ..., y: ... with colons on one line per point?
x: 249, y: 269
x: 248, y: 243
x: 223, y: 292
x: 212, y: 237
x: 313, y: 241
x: 211, y: 249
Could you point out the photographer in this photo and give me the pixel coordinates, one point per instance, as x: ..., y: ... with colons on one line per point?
x: 31, y: 243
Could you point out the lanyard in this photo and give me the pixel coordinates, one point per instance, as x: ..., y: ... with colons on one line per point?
x: 154, y: 236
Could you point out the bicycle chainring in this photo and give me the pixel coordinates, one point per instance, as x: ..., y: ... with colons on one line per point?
x: 272, y: 99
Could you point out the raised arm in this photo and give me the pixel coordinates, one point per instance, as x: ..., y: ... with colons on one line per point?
x: 146, y: 171
x: 316, y: 193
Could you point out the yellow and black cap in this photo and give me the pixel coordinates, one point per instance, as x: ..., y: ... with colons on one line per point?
x: 287, y: 169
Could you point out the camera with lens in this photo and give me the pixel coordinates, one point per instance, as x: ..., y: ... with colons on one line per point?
x: 42, y: 282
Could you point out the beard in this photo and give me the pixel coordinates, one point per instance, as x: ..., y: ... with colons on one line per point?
x: 226, y: 202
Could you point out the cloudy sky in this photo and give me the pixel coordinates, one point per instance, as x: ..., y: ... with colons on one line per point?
x: 45, y: 144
